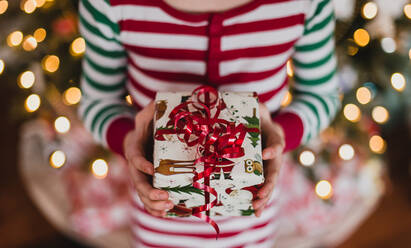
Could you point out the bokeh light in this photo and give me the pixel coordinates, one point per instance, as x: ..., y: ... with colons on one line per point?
x: 346, y: 152
x: 398, y: 81
x: 323, y: 189
x: 99, y: 168
x: 26, y: 79
x: 361, y: 37
x: 369, y: 10
x: 3, y: 6
x: 352, y: 112
x: 363, y: 95
x: 407, y: 10
x: 32, y: 103
x: 307, y: 158
x: 129, y: 100
x: 388, y: 45
x: 287, y: 99
x: 40, y: 3
x: 40, y: 34
x: 78, y: 47
x: 377, y: 144
x: 50, y: 63
x: 57, y: 159
x: 62, y: 124
x: 29, y: 43
x: 2, y: 66
x: 380, y: 114
x: 15, y: 38
x: 290, y: 70
x: 28, y: 6
x: 72, y: 96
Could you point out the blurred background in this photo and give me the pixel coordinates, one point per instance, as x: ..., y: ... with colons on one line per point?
x: 59, y: 189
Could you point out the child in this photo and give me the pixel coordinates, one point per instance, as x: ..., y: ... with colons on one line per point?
x: 139, y: 47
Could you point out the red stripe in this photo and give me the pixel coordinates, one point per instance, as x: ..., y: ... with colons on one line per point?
x: 264, y: 25
x: 268, y: 95
x: 166, y: 53
x: 167, y: 76
x: 252, y: 52
x: 149, y: 93
x: 161, y: 27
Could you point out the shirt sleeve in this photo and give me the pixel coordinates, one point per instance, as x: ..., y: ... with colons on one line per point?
x: 315, y: 90
x: 103, y: 108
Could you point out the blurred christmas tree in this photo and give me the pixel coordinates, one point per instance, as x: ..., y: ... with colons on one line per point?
x: 41, y: 50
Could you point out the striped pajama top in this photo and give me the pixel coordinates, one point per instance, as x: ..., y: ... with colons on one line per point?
x: 139, y: 47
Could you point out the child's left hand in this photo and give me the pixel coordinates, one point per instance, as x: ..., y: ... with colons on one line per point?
x: 273, y: 137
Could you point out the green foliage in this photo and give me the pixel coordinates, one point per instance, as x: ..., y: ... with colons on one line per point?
x: 189, y: 189
x: 247, y: 212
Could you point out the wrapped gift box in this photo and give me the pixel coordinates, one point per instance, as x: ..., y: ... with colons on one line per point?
x: 235, y: 180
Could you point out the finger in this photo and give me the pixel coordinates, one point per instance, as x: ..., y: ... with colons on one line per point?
x: 157, y: 205
x: 142, y: 164
x: 272, y: 151
x: 155, y: 212
x: 260, y: 203
x: 272, y: 167
x: 258, y: 212
x: 144, y: 188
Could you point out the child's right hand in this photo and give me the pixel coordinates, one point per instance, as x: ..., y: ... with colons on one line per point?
x: 155, y: 201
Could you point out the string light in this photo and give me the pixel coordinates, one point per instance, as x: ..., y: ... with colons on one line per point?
x: 346, y: 152
x: 369, y: 10
x: 398, y: 81
x: 26, y: 79
x: 290, y: 71
x: 99, y: 168
x: 28, y: 6
x: 50, y: 63
x: 323, y: 189
x: 2, y: 66
x: 352, y: 112
x: 14, y: 38
x: 407, y: 10
x: 57, y: 159
x: 361, y: 37
x: 377, y: 144
x: 388, y: 45
x: 29, y: 43
x: 72, y: 96
x: 380, y: 114
x: 363, y: 95
x: 78, y: 47
x: 3, y: 6
x: 287, y: 99
x: 62, y: 124
x: 32, y: 103
x: 129, y: 100
x: 40, y: 34
x: 307, y: 158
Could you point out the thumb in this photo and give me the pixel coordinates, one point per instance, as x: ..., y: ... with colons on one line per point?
x: 272, y: 151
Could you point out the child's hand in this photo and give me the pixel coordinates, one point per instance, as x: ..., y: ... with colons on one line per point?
x: 273, y: 137
x: 155, y: 201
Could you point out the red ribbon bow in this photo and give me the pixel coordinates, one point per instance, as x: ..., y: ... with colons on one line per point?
x: 217, y: 140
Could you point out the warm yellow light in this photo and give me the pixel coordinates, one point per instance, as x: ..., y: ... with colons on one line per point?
x: 2, y: 66
x: 62, y: 124
x: 32, y: 103
x: 72, y: 96
x: 352, y: 50
x: 78, y: 46
x: 29, y: 6
x: 50, y: 63
x: 286, y: 99
x: 57, y: 159
x: 14, y: 38
x: 346, y: 152
x: 40, y: 34
x: 409, y: 54
x: 323, y: 189
x: 129, y: 100
x: 369, y: 10
x: 29, y: 43
x: 307, y: 158
x: 3, y: 6
x: 377, y: 144
x: 26, y: 79
x: 361, y: 37
x: 290, y: 70
x: 363, y: 95
x: 40, y: 3
x: 407, y: 10
x: 380, y: 114
x: 352, y: 112
x: 99, y: 168
x: 398, y: 81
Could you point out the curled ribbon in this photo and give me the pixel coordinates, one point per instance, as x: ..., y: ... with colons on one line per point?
x: 217, y: 140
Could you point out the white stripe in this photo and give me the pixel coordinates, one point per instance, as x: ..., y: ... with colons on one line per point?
x: 171, y: 41
x: 264, y: 38
x: 274, y: 103
x: 137, y: 96
x: 116, y: 110
x: 101, y: 78
x: 103, y: 61
x: 151, y: 14
x: 324, y: 88
x: 319, y: 107
x: 104, y: 44
x: 269, y: 243
x: 103, y: 28
x: 185, y: 241
x: 316, y: 72
x: 95, y: 109
x: 167, y: 65
x: 327, y: 10
x: 317, y: 36
x: 312, y: 8
x: 254, y: 64
x: 260, y: 86
x: 269, y: 11
x: 103, y: 8
x: 159, y: 85
x: 89, y: 90
x: 315, y: 55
